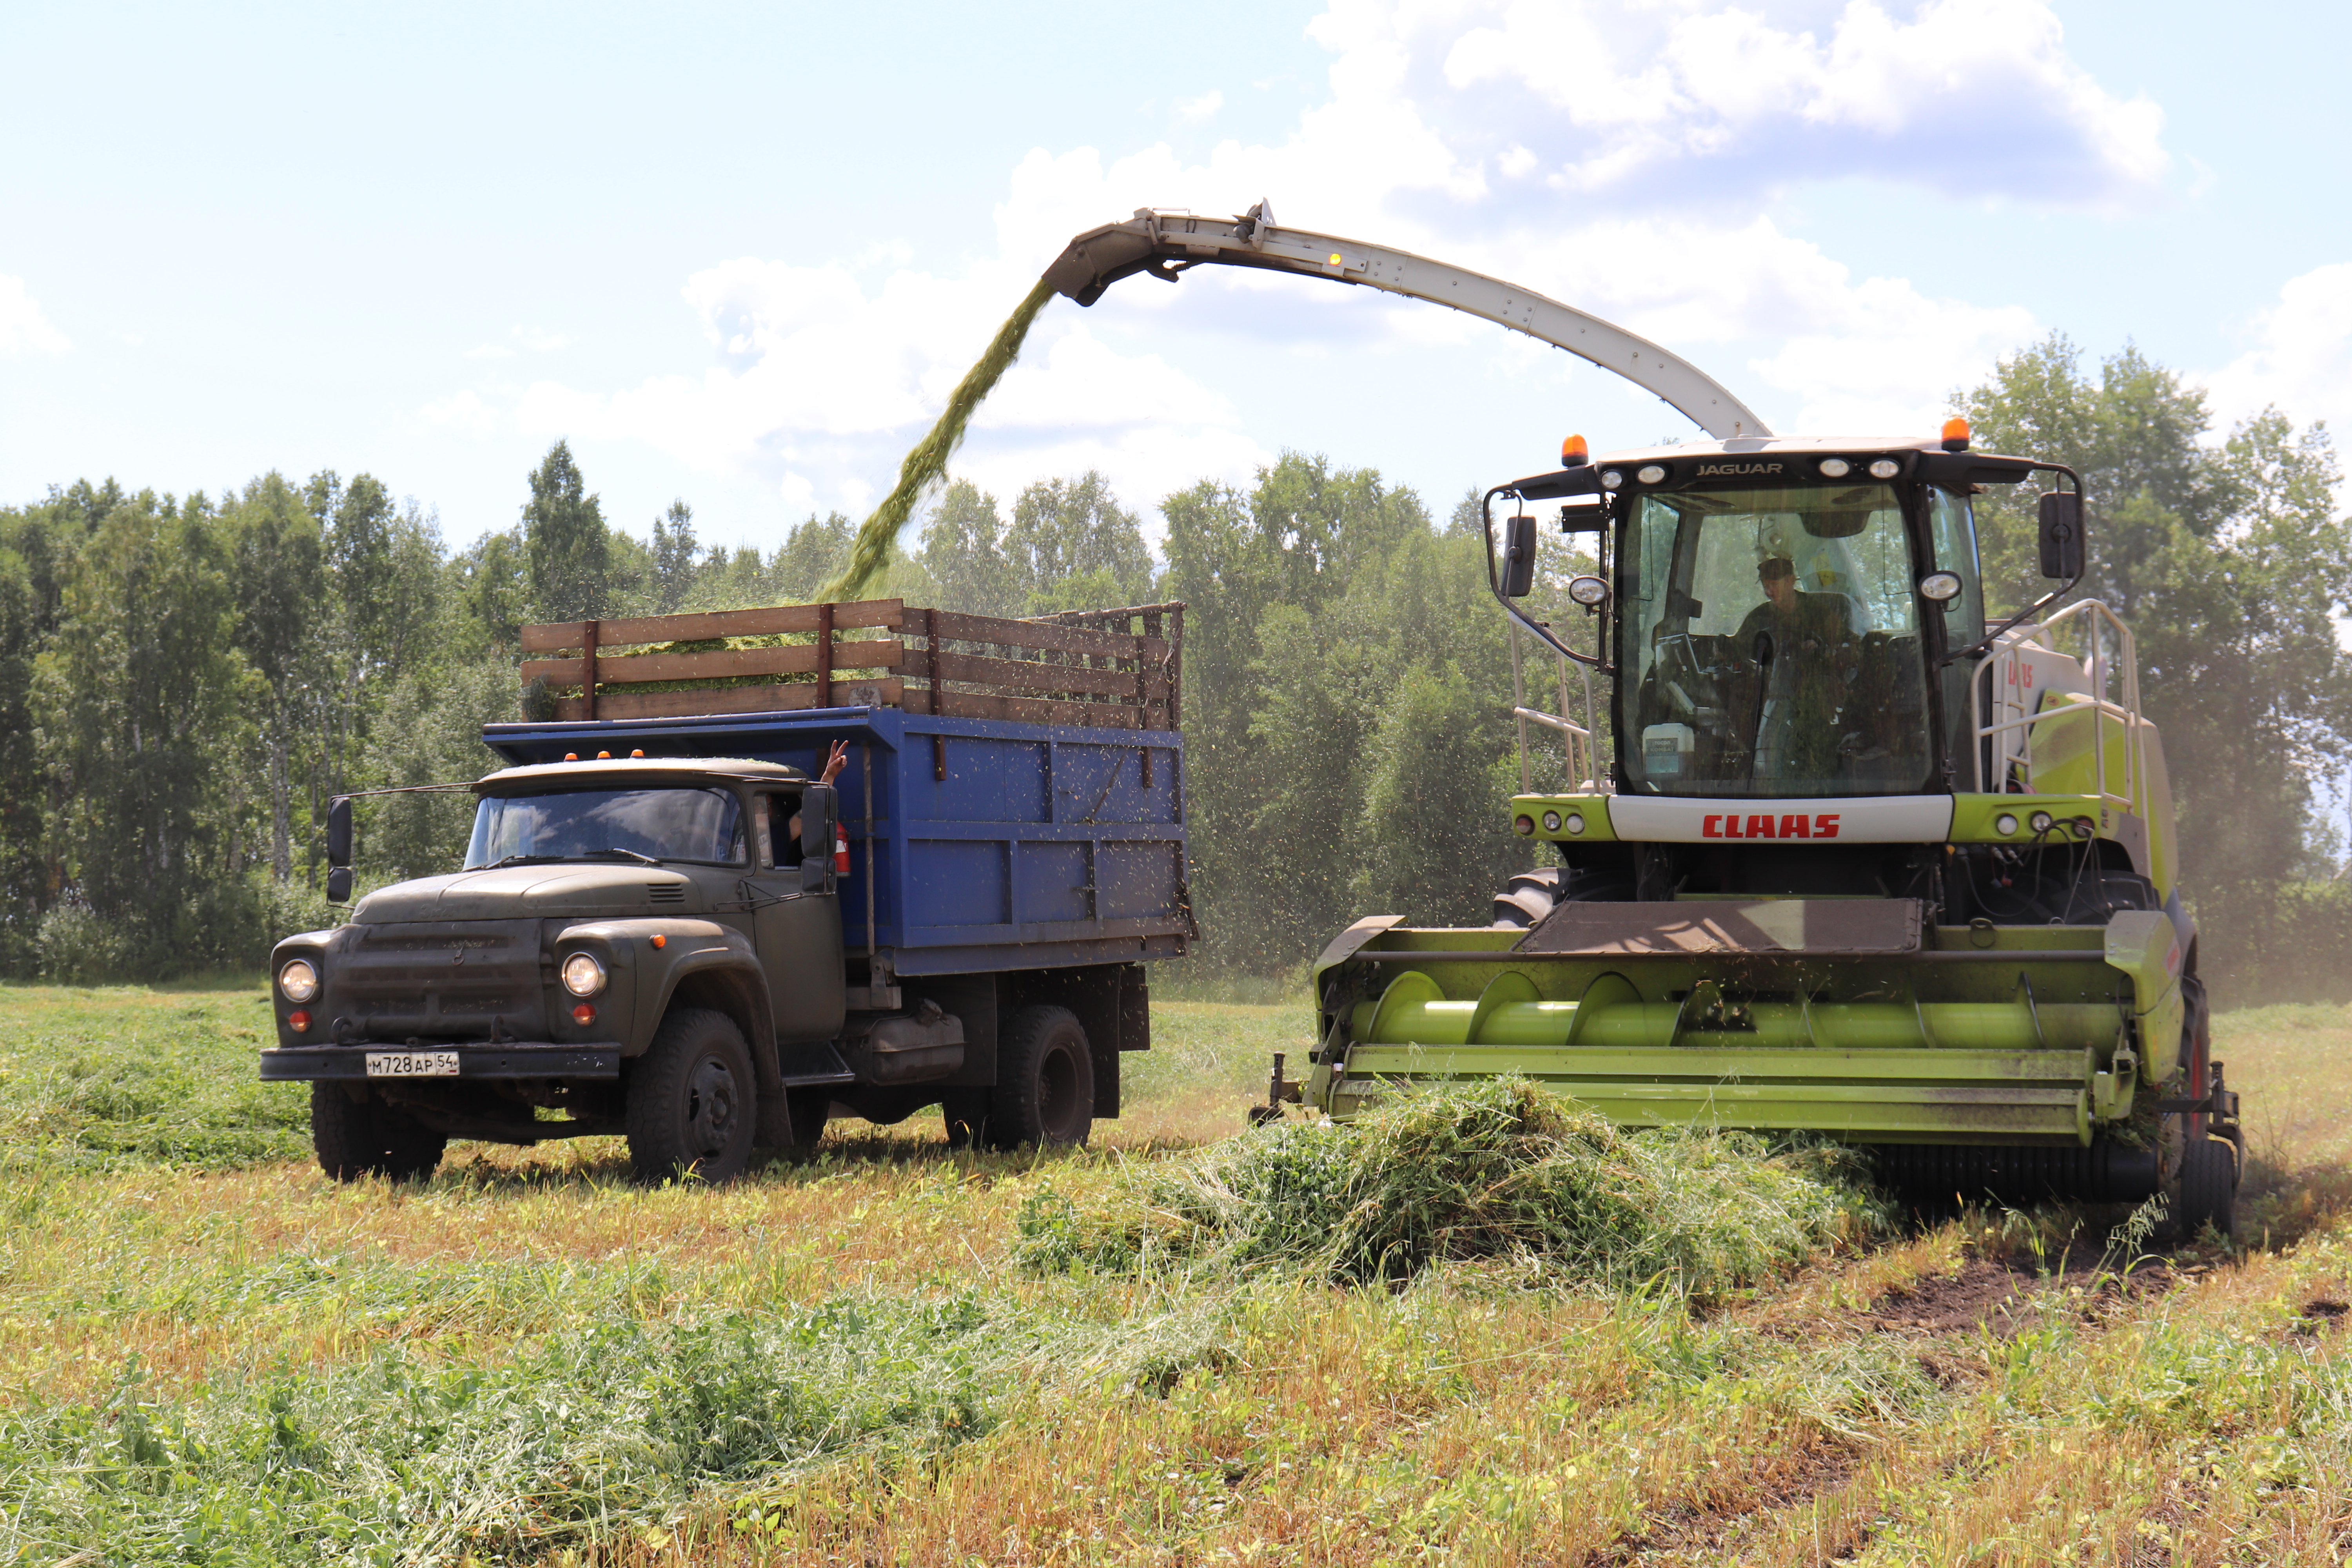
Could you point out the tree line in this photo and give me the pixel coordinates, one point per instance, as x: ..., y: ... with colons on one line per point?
x: 185, y: 681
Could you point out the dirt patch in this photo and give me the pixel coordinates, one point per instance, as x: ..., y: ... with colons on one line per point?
x: 1987, y: 1293
x: 2321, y: 1315
x: 1676, y: 1532
x: 1983, y: 1292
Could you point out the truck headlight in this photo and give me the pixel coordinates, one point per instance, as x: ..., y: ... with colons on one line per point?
x: 583, y: 975
x: 298, y: 982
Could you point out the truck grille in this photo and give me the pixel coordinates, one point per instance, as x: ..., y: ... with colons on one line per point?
x: 430, y: 981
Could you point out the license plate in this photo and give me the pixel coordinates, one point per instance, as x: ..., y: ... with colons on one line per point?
x: 412, y: 1064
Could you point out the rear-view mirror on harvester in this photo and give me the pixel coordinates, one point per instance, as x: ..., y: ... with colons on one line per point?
x: 2062, y: 534
x: 1518, y: 556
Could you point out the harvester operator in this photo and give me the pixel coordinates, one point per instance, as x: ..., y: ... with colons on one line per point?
x: 1803, y: 647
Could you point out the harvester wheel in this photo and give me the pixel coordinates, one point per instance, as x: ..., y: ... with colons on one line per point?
x: 1528, y: 898
x: 2208, y: 1187
x: 1045, y: 1079
x: 356, y: 1138
x: 691, y: 1099
x: 1531, y: 895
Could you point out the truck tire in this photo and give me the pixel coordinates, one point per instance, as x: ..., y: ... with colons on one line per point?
x: 2208, y: 1187
x: 1045, y: 1079
x: 691, y: 1102
x: 368, y: 1138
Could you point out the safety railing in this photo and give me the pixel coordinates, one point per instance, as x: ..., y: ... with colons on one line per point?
x: 2012, y: 702
x: 1583, y: 757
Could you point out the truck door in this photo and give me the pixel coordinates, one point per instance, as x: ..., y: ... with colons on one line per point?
x: 797, y: 932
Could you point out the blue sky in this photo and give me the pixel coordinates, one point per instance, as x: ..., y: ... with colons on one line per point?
x: 738, y: 254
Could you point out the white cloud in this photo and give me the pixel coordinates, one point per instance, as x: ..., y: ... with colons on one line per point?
x: 463, y: 411
x: 1193, y: 110
x: 1973, y: 97
x: 822, y: 383
x: 1622, y: 158
x: 1889, y: 367
x: 2302, y: 357
x: 24, y: 327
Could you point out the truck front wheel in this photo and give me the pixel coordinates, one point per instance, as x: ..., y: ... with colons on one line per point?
x: 1045, y: 1079
x: 356, y: 1138
x: 691, y: 1100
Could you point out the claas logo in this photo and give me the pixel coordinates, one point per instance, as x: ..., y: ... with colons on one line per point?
x: 1762, y: 825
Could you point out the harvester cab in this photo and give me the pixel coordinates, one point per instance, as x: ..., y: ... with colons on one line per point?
x: 1833, y: 848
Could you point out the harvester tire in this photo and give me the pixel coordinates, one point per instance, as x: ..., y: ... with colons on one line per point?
x: 356, y: 1138
x: 1045, y: 1079
x: 2208, y: 1187
x: 692, y: 1102
x: 1531, y: 895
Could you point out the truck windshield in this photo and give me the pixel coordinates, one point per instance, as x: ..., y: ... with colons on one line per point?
x: 679, y: 824
x: 1771, y: 645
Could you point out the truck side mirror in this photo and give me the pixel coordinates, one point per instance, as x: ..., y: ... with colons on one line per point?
x: 1518, y: 557
x: 2062, y: 534
x: 339, y: 884
x: 818, y: 805
x: 339, y: 831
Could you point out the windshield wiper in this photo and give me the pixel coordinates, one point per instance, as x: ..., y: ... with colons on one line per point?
x: 522, y: 861
x: 631, y: 854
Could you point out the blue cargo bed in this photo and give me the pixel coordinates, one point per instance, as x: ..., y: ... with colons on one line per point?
x: 976, y: 845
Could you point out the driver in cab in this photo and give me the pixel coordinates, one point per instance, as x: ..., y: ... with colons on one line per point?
x: 1798, y: 623
x: 1803, y: 644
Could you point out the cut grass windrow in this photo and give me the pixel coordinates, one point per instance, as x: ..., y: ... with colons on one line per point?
x: 1488, y: 1169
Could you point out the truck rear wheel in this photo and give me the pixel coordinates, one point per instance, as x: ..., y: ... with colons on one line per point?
x: 356, y: 1138
x: 1045, y: 1079
x: 2208, y: 1187
x: 691, y: 1099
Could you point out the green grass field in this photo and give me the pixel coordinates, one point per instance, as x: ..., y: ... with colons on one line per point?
x: 209, y: 1354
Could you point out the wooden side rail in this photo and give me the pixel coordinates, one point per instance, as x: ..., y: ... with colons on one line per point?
x: 1117, y: 668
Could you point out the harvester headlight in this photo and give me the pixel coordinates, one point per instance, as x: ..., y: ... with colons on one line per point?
x: 1835, y: 467
x: 1884, y: 469
x: 583, y: 975
x: 1575, y: 823
x: 1611, y: 478
x: 1523, y: 824
x: 2004, y: 824
x: 1940, y: 586
x: 2041, y: 821
x: 1551, y: 822
x: 1651, y: 474
x: 297, y: 981
x: 1588, y: 591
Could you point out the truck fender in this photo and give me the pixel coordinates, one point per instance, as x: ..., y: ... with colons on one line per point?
x: 721, y: 972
